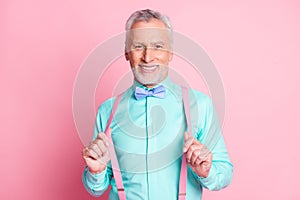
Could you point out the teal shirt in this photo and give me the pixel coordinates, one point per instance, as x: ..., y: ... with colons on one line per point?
x: 148, y: 139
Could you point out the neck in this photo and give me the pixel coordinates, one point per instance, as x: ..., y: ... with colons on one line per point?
x: 150, y: 86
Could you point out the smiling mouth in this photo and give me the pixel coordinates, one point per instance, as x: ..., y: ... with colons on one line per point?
x: 148, y: 68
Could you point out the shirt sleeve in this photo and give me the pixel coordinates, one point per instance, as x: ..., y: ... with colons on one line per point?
x: 97, y: 184
x: 220, y: 174
x: 209, y: 134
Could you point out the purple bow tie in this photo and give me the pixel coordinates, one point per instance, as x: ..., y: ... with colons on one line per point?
x: 159, y: 92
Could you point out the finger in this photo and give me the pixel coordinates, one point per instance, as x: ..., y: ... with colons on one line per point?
x: 89, y: 153
x: 106, y: 157
x: 188, y: 142
x: 84, y: 151
x: 201, y: 155
x: 198, y: 161
x: 190, y: 152
x: 205, y: 166
x: 204, y: 153
x: 205, y: 163
x: 208, y: 157
x: 95, y: 147
x: 195, y: 156
x: 103, y: 137
x: 186, y: 136
x: 101, y: 146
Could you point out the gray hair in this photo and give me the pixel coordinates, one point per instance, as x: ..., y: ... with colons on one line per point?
x: 146, y: 15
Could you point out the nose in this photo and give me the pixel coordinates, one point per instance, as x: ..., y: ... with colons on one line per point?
x: 148, y: 55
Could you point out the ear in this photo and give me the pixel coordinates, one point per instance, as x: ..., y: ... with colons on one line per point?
x: 126, y: 55
x: 170, y: 55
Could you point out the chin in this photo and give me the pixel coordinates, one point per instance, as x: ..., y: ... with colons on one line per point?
x: 149, y: 79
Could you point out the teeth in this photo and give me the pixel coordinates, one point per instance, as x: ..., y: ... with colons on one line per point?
x: 148, y: 68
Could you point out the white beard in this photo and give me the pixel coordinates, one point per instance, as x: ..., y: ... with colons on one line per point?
x: 150, y: 78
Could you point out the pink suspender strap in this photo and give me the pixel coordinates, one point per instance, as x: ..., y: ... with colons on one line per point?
x: 112, y: 153
x: 113, y: 111
x: 182, y: 179
x: 183, y: 171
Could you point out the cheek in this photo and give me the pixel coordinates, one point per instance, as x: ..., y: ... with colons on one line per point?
x: 164, y: 58
x: 133, y: 59
x: 136, y: 57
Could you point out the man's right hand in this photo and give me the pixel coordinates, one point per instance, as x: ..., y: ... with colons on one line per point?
x: 96, y: 154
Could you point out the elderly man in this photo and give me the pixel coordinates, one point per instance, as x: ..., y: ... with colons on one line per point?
x: 159, y: 140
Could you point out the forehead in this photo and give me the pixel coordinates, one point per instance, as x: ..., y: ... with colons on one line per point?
x: 149, y: 31
x: 152, y: 23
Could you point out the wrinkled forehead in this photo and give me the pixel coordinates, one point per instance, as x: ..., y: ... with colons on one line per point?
x: 149, y: 35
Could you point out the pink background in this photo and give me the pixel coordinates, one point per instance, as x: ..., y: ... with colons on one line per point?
x: 255, y: 46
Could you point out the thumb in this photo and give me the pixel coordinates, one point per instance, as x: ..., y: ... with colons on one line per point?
x: 109, y: 139
x: 186, y: 136
x: 188, y: 140
x: 108, y: 136
x: 107, y: 132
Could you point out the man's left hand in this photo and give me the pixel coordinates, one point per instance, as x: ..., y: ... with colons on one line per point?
x: 198, y: 156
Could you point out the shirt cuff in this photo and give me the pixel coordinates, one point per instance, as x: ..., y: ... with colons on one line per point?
x: 96, y: 178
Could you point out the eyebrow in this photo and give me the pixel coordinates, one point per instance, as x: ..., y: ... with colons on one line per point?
x: 158, y: 42
x: 136, y: 42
